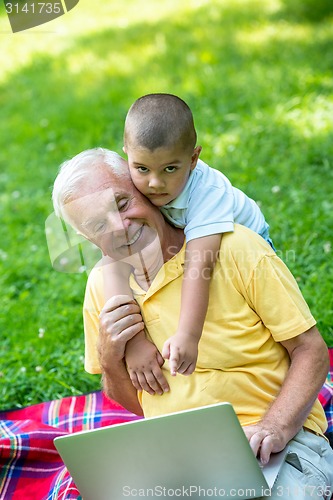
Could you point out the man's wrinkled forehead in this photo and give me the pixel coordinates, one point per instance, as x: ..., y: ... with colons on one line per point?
x: 102, y: 177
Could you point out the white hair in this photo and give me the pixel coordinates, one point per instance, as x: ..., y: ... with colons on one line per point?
x: 74, y: 171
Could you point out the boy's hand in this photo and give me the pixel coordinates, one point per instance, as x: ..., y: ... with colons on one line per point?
x: 144, y: 363
x: 182, y: 351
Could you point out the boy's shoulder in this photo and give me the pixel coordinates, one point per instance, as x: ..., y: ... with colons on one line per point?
x: 203, y: 173
x: 204, y: 167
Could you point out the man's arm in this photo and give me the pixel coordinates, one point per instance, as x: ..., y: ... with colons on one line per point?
x: 307, y: 372
x: 120, y: 320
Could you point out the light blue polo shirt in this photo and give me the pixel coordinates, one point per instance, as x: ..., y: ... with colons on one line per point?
x: 209, y: 204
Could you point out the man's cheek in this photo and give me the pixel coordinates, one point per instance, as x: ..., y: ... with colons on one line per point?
x: 105, y: 246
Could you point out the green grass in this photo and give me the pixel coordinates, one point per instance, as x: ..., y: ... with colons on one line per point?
x: 259, y: 80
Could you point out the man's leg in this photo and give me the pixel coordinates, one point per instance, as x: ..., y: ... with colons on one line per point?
x: 308, y: 471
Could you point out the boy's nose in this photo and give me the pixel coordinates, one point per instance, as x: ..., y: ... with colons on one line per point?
x: 156, y: 182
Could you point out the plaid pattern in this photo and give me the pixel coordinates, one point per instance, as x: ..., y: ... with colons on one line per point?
x: 326, y: 398
x: 30, y: 467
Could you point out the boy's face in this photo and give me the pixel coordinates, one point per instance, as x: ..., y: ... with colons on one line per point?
x: 161, y: 174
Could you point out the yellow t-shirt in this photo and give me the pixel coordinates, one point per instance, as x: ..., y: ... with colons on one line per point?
x: 254, y: 304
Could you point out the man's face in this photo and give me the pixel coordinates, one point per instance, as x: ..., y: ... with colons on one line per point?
x: 118, y: 219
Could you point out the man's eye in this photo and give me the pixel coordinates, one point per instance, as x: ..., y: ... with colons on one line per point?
x: 170, y: 169
x: 122, y: 203
x: 99, y: 228
x: 142, y: 170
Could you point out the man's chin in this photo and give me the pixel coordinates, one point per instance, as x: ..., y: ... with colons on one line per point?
x: 146, y: 237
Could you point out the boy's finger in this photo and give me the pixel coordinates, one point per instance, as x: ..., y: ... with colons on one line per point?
x: 153, y: 383
x: 166, y: 350
x: 160, y: 359
x: 162, y: 381
x: 187, y: 370
x: 134, y: 380
x: 144, y: 385
x: 173, y: 365
x: 174, y: 360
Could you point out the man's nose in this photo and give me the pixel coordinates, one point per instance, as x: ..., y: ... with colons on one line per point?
x: 115, y: 223
x: 156, y: 182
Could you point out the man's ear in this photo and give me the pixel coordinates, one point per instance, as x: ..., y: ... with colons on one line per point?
x: 124, y: 149
x: 195, y: 157
x: 84, y: 236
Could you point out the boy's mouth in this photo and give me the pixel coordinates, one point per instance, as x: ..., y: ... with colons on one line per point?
x: 156, y: 195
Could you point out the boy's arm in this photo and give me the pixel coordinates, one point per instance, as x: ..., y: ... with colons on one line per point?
x: 144, y: 363
x: 116, y: 275
x: 143, y: 360
x: 200, y: 258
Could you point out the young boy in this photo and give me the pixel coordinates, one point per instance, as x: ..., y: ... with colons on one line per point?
x: 160, y: 143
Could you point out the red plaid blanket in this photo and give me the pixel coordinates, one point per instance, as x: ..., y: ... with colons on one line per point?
x: 30, y: 467
x: 326, y: 398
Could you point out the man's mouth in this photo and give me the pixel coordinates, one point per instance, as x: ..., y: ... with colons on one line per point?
x: 135, y: 237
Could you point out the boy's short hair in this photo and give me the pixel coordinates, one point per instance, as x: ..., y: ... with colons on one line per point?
x: 160, y: 120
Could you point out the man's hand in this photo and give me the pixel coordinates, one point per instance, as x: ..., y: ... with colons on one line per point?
x: 144, y: 364
x: 265, y: 439
x: 182, y: 351
x: 120, y: 320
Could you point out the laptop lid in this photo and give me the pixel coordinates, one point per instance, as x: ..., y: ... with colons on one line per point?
x: 198, y: 452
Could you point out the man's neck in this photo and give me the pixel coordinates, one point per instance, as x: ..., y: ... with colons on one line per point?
x: 173, y: 241
x: 150, y: 260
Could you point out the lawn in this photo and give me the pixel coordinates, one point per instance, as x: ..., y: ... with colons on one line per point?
x: 258, y: 77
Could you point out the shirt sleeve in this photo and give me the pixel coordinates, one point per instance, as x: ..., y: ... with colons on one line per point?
x: 209, y: 212
x: 92, y: 306
x: 277, y: 299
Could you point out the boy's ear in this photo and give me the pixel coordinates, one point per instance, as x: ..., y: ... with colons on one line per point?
x: 124, y: 149
x: 195, y: 157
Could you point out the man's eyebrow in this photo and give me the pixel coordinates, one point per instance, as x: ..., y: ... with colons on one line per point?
x: 90, y: 222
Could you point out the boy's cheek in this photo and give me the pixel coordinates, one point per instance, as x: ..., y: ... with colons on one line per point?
x: 140, y: 184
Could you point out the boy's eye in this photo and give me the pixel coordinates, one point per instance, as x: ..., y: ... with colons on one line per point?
x: 142, y: 170
x: 170, y: 169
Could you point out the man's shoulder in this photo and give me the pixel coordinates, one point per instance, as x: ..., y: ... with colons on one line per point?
x: 245, y: 244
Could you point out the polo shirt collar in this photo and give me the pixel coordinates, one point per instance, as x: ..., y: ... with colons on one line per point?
x: 170, y: 271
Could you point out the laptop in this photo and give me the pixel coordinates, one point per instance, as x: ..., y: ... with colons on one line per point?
x: 193, y: 453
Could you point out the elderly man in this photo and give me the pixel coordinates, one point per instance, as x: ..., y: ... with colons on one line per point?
x: 260, y: 349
